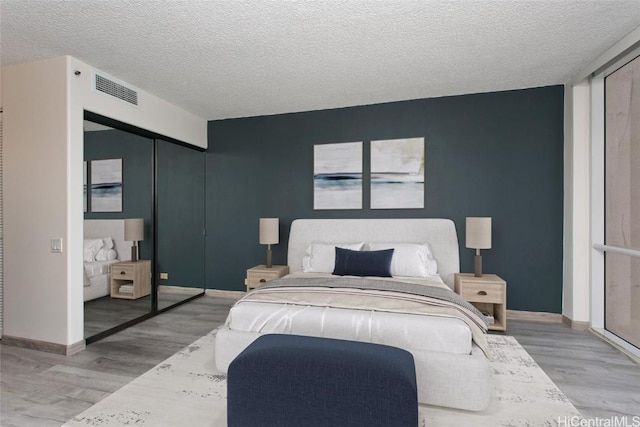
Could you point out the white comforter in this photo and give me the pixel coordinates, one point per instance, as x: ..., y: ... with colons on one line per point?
x: 362, y: 314
x: 98, y: 268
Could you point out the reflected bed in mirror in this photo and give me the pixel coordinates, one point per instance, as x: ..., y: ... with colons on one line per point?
x: 104, y: 247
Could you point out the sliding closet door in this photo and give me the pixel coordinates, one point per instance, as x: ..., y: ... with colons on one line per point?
x: 130, y: 157
x: 180, y: 222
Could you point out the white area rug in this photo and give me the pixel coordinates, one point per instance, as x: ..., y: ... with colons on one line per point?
x: 187, y: 390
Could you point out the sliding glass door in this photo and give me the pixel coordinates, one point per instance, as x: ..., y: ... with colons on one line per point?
x: 622, y: 202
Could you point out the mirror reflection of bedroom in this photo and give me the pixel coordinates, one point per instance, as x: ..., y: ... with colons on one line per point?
x: 143, y: 219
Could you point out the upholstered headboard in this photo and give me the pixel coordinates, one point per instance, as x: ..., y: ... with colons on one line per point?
x: 114, y: 228
x: 439, y: 233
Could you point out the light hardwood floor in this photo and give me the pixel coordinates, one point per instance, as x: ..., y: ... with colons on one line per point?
x: 41, y: 389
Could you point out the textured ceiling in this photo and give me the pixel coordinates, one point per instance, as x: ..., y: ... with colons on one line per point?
x: 221, y: 59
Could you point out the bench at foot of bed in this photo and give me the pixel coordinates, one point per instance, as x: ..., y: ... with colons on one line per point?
x: 459, y: 381
x: 291, y: 380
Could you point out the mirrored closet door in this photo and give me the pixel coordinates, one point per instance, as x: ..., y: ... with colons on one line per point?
x: 119, y: 213
x: 143, y: 225
x: 180, y: 207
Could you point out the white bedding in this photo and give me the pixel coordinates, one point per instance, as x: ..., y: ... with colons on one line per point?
x: 399, y: 330
x: 99, y: 286
x: 98, y: 268
x: 97, y: 279
x: 447, y: 373
x: 418, y: 331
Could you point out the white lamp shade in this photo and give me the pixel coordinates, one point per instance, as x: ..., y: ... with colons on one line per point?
x: 134, y: 229
x: 478, y: 232
x: 269, y: 231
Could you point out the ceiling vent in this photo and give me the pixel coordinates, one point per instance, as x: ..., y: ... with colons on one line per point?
x: 108, y: 86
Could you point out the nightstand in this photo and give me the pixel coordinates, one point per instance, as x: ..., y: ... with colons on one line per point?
x: 131, y: 279
x: 260, y: 275
x: 488, y: 293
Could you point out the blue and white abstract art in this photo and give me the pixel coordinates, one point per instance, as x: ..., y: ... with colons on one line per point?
x: 106, y: 185
x: 397, y: 174
x: 337, y: 176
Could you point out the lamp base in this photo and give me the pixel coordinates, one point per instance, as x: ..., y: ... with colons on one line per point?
x: 477, y: 266
x: 269, y: 265
x: 134, y: 253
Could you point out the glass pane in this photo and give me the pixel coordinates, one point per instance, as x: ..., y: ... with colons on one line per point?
x: 622, y: 192
x: 622, y: 201
x: 622, y: 298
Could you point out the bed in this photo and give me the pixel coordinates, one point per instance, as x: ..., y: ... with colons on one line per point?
x: 104, y: 245
x: 445, y: 336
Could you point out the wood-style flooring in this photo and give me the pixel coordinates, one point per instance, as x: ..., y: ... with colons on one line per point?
x: 105, y: 313
x: 41, y: 389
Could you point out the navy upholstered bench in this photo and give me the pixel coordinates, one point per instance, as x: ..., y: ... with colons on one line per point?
x: 296, y: 381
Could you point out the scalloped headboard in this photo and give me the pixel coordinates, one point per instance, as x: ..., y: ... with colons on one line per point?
x: 114, y: 228
x: 439, y: 233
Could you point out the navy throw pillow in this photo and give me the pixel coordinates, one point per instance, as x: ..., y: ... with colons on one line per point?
x: 363, y: 263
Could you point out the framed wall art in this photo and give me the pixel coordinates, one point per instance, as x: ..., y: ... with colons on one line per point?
x: 397, y: 174
x: 106, y: 185
x: 337, y: 176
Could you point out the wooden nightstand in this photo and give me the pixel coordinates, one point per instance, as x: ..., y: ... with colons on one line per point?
x: 488, y: 293
x: 131, y: 280
x: 260, y: 274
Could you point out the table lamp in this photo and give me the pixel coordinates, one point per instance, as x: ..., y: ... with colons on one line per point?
x: 134, y: 232
x: 269, y: 235
x: 478, y: 231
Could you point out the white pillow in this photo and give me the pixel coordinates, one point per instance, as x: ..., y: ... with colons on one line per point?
x: 409, y: 259
x: 106, y: 255
x: 91, y: 248
x: 321, y: 256
x: 107, y: 243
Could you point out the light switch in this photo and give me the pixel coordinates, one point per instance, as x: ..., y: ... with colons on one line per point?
x: 56, y: 246
x: 164, y: 276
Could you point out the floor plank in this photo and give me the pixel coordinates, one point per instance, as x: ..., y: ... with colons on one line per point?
x: 42, y: 389
x: 598, y: 379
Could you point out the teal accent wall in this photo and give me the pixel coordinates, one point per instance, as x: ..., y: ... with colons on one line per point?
x: 493, y: 154
x: 136, y: 153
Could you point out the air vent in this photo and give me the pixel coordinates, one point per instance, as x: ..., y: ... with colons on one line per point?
x: 108, y: 86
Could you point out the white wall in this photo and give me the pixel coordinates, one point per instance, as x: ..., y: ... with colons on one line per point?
x: 35, y: 194
x: 575, y: 304
x: 152, y: 113
x: 44, y: 104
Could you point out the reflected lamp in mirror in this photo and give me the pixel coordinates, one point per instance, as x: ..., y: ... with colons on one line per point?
x: 478, y: 236
x: 269, y: 235
x: 134, y: 232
